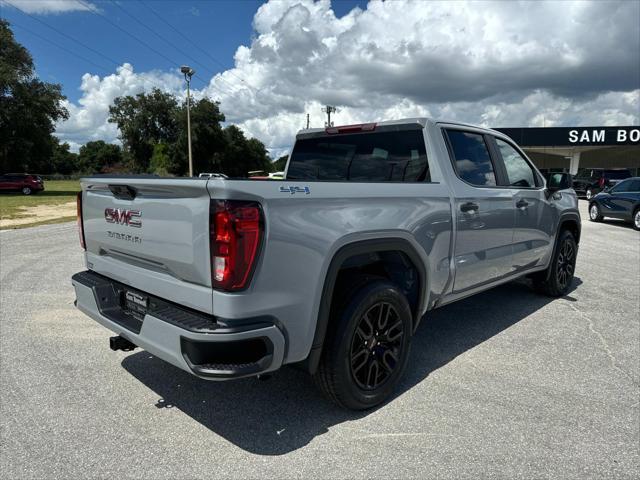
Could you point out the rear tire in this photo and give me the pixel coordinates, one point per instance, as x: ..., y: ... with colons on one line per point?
x: 556, y: 280
x: 589, y: 194
x: 635, y: 221
x: 594, y: 213
x: 366, y: 352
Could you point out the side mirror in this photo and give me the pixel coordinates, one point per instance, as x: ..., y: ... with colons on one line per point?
x: 559, y: 181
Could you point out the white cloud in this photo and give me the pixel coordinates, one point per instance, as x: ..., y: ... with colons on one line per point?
x: 496, y: 64
x: 88, y: 120
x: 50, y: 6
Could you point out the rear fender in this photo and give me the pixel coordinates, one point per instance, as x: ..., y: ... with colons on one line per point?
x: 345, y: 252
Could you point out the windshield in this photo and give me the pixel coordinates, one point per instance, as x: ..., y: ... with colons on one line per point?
x: 363, y: 157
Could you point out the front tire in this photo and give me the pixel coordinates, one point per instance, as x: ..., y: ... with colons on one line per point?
x: 636, y: 219
x: 594, y: 213
x: 366, y: 352
x: 556, y: 280
x: 27, y: 191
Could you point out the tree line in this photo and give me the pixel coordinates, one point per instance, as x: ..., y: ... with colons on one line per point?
x: 153, y: 130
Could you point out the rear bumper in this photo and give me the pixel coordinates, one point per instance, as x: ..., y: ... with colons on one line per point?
x: 203, y: 345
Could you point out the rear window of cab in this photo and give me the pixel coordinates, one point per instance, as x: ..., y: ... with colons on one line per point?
x: 398, y: 156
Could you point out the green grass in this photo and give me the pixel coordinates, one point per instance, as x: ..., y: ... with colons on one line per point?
x: 56, y: 192
x: 43, y: 222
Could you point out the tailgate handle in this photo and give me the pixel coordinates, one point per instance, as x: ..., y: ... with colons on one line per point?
x: 123, y: 192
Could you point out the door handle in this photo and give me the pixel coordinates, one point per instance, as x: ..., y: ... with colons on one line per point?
x: 522, y: 204
x: 469, y: 207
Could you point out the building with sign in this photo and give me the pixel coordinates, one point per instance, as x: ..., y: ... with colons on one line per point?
x: 561, y: 149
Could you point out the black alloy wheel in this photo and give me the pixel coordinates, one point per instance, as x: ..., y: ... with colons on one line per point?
x: 376, y: 346
x: 367, y: 346
x: 556, y: 280
x: 566, y: 263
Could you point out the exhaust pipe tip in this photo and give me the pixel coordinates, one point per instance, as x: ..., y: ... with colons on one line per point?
x: 121, y: 343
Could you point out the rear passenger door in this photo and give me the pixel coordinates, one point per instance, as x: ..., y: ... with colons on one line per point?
x: 484, y: 211
x: 622, y: 199
x: 534, y: 216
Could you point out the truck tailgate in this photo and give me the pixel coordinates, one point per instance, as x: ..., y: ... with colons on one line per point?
x: 151, y: 233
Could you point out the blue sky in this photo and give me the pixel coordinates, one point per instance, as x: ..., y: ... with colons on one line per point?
x: 494, y: 63
x: 217, y: 26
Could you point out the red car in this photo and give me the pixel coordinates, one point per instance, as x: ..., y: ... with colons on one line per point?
x: 21, y: 182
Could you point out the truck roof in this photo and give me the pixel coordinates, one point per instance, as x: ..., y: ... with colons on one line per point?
x: 423, y: 121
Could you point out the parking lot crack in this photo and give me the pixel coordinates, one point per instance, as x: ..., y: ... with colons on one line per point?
x: 604, y: 344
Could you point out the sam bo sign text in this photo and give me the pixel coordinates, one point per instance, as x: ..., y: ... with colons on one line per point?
x: 600, y: 135
x: 574, y: 136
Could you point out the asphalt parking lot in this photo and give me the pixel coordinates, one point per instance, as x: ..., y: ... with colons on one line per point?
x: 503, y: 384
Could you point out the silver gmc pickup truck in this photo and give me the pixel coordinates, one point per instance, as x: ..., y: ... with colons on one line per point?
x: 330, y: 269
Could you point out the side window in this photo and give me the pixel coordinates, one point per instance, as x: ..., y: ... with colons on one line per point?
x: 624, y: 186
x: 472, y: 160
x: 519, y: 172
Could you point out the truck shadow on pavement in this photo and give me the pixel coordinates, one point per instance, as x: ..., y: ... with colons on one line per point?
x: 287, y: 412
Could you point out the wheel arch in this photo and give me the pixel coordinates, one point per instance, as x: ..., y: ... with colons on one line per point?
x: 338, y: 261
x: 570, y: 221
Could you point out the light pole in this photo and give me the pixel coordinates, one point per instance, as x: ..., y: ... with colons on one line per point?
x: 188, y: 73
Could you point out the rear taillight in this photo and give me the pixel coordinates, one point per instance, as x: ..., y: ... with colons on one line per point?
x: 80, y: 223
x: 236, y: 229
x: 601, y: 182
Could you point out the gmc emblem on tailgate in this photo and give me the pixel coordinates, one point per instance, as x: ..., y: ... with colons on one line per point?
x: 123, y: 217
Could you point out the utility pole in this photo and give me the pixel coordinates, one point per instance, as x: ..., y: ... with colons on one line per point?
x: 307, y: 121
x: 329, y: 110
x: 188, y: 73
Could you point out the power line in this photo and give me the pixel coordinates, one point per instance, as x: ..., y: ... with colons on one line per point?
x: 49, y: 41
x: 107, y: 70
x: 74, y: 40
x: 100, y: 54
x: 154, y: 32
x: 195, y: 45
x: 167, y: 42
x: 60, y: 32
x: 142, y: 42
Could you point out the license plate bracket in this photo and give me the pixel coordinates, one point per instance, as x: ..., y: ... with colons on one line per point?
x: 135, y: 304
